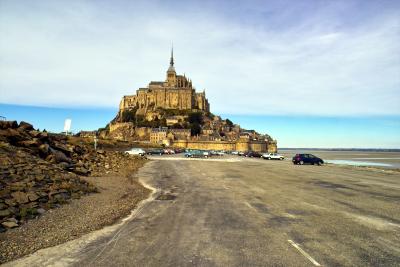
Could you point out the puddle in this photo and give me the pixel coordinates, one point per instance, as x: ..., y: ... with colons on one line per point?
x: 357, y: 163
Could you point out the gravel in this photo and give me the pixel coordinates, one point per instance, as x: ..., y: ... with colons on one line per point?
x: 119, y: 193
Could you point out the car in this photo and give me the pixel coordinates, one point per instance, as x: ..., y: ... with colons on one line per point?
x: 155, y: 152
x: 178, y: 150
x: 307, y: 159
x: 272, y: 156
x: 169, y: 151
x: 242, y: 153
x: 136, y: 151
x: 197, y: 154
x: 235, y: 153
x: 253, y: 154
x: 213, y: 153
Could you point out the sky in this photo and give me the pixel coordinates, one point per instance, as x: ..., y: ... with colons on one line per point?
x: 285, y: 65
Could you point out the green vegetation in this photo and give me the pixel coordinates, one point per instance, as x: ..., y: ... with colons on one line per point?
x: 142, y: 122
x: 195, y: 117
x: 210, y: 115
x: 229, y: 122
x: 128, y: 115
x: 195, y: 120
x: 174, y: 112
x: 195, y: 129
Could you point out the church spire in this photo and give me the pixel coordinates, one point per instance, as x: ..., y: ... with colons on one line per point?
x: 171, y: 63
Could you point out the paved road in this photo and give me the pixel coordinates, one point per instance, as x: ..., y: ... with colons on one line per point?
x: 250, y: 213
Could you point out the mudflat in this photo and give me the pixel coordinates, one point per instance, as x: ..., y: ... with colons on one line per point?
x: 249, y: 212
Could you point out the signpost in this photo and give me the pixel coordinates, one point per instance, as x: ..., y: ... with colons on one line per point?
x: 67, y: 126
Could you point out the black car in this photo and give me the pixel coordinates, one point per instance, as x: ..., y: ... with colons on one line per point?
x: 253, y: 154
x: 307, y: 159
x: 155, y: 152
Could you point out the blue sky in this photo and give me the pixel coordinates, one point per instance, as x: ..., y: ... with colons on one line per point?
x: 327, y: 65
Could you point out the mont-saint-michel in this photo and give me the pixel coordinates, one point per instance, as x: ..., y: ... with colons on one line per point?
x: 174, y: 114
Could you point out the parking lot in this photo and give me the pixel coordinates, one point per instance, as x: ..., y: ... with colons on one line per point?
x: 236, y: 211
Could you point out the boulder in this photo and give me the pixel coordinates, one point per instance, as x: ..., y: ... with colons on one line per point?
x: 81, y: 171
x: 10, y: 224
x: 20, y: 197
x: 59, y: 156
x: 40, y: 211
x: 8, y: 124
x: 32, y: 196
x: 12, y: 136
x: 4, y: 213
x: 25, y: 126
x: 44, y: 150
x: 30, y: 143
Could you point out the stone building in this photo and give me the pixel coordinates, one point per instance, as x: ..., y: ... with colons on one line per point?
x: 176, y: 92
x: 158, y: 135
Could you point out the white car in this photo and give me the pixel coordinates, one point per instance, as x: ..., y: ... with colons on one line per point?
x: 136, y: 151
x: 272, y: 156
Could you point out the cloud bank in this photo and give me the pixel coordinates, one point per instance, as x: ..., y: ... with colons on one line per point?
x: 329, y: 58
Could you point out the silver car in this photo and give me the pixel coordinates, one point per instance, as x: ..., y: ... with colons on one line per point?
x: 136, y: 151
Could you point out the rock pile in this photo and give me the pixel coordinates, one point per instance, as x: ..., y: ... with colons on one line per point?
x: 40, y: 171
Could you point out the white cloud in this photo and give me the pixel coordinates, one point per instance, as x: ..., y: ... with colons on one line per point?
x: 90, y: 55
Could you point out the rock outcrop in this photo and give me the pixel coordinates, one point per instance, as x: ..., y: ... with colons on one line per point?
x: 40, y: 171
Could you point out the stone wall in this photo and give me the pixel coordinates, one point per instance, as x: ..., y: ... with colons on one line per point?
x: 241, y: 145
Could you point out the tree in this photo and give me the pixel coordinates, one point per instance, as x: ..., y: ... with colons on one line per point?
x: 195, y: 117
x: 195, y: 129
x: 229, y: 122
x: 177, y: 126
x: 128, y: 115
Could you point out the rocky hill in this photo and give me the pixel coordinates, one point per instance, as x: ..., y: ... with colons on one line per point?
x: 40, y: 171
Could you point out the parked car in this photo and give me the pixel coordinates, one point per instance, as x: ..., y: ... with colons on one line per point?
x: 272, y: 156
x: 169, y: 151
x: 197, y: 154
x: 307, y: 159
x: 253, y: 154
x: 178, y: 150
x: 213, y: 153
x: 155, y: 152
x: 235, y: 153
x: 217, y: 153
x: 241, y: 153
x: 136, y: 151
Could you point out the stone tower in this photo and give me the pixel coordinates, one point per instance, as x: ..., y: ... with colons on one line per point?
x: 171, y: 74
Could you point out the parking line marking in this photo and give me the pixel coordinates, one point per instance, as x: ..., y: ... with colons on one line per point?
x: 250, y: 206
x: 305, y: 254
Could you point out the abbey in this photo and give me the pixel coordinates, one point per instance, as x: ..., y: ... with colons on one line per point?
x: 176, y: 92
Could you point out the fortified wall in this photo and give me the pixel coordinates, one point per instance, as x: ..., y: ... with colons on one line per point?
x: 240, y: 145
